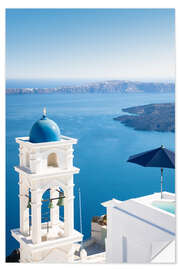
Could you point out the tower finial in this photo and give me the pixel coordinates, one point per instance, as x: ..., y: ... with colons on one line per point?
x: 44, y: 111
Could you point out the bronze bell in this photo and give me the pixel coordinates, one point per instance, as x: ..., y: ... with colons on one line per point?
x: 50, y: 204
x: 60, y: 201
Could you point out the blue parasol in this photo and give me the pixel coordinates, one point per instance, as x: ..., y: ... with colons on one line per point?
x: 159, y: 157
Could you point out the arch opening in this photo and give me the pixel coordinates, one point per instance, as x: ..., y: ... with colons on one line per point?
x: 50, y: 214
x: 52, y: 160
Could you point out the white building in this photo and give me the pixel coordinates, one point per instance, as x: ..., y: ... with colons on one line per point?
x: 46, y: 163
x: 141, y: 230
x: 138, y: 230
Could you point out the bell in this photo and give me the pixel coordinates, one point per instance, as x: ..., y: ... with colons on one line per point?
x: 60, y: 201
x: 29, y: 203
x: 50, y: 204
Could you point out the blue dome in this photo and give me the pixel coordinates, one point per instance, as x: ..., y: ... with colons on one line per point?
x: 44, y: 130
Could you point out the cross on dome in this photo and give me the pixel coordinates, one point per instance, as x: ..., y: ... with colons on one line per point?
x: 44, y: 111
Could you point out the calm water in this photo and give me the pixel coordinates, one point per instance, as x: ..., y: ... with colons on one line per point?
x: 39, y: 83
x: 104, y: 146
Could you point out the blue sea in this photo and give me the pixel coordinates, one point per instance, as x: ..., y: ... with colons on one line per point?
x: 103, y: 148
x: 53, y: 83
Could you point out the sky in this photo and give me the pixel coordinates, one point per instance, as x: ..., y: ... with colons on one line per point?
x: 90, y: 44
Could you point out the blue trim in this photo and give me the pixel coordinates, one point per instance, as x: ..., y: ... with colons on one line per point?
x: 145, y: 221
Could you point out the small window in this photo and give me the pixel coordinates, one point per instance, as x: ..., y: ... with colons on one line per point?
x: 27, y: 160
x: 52, y: 160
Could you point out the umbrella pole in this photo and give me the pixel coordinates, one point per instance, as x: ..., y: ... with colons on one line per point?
x: 161, y: 181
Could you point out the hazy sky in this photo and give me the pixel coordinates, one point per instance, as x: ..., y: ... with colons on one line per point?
x: 87, y: 43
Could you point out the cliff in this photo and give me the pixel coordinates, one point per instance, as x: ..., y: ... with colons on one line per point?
x: 157, y: 117
x: 113, y: 86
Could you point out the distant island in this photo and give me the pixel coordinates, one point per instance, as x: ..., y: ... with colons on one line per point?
x: 112, y: 86
x: 154, y: 117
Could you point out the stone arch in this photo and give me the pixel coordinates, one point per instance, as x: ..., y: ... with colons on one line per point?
x: 54, y: 184
x: 52, y: 160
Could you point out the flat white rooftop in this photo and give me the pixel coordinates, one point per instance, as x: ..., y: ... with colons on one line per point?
x: 64, y: 141
x: 146, y: 221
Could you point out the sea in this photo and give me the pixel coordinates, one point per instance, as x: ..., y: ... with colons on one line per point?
x: 103, y: 148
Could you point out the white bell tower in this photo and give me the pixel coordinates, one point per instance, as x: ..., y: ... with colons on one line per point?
x: 46, y: 163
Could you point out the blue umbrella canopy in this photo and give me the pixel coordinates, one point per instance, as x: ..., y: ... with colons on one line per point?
x: 159, y: 157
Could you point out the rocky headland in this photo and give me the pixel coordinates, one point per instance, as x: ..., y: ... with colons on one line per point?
x: 152, y: 117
